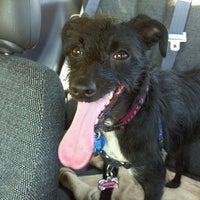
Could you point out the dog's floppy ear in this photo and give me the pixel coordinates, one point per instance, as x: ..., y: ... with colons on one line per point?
x: 73, y: 23
x: 151, y: 31
x: 71, y: 32
x: 70, y: 27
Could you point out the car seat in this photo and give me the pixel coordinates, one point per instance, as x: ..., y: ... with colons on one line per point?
x: 31, y: 108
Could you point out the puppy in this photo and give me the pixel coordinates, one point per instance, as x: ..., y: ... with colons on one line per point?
x: 139, y: 110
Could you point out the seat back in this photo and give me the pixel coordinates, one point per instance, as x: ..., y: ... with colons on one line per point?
x: 20, y: 23
x: 31, y: 109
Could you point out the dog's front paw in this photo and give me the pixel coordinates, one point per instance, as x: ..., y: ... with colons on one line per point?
x: 65, y: 176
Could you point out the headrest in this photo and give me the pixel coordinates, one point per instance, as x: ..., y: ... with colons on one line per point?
x: 20, y: 23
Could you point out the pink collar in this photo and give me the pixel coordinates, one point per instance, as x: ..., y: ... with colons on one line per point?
x: 137, y: 105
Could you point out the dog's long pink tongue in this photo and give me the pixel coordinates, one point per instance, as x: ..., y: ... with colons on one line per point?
x: 76, y: 147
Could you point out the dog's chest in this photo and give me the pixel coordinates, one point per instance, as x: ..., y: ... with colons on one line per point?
x: 112, y: 147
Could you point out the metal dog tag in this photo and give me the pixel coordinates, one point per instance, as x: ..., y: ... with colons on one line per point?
x: 99, y: 143
x: 109, y: 182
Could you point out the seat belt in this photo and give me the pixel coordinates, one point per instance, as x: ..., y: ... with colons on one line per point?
x: 89, y: 8
x: 176, y: 32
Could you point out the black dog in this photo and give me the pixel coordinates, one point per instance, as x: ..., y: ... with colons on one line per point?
x: 140, y: 110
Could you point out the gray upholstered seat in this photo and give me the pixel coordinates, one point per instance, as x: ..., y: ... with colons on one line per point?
x: 31, y: 109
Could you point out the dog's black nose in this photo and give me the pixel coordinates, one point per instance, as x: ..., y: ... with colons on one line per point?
x: 83, y: 90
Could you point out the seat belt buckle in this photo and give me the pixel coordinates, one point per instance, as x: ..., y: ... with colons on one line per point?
x: 176, y: 39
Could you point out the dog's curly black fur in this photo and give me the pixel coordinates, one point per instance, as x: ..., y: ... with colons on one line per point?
x: 102, y: 55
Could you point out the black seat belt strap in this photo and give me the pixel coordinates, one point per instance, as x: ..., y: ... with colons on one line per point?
x: 176, y: 32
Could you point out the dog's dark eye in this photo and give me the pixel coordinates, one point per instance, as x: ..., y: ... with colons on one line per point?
x: 77, y: 52
x: 120, y: 55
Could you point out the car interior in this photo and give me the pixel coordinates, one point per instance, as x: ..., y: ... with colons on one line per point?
x: 34, y: 108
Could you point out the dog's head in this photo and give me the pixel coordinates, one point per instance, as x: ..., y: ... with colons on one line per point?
x: 105, y: 59
x: 104, y: 55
